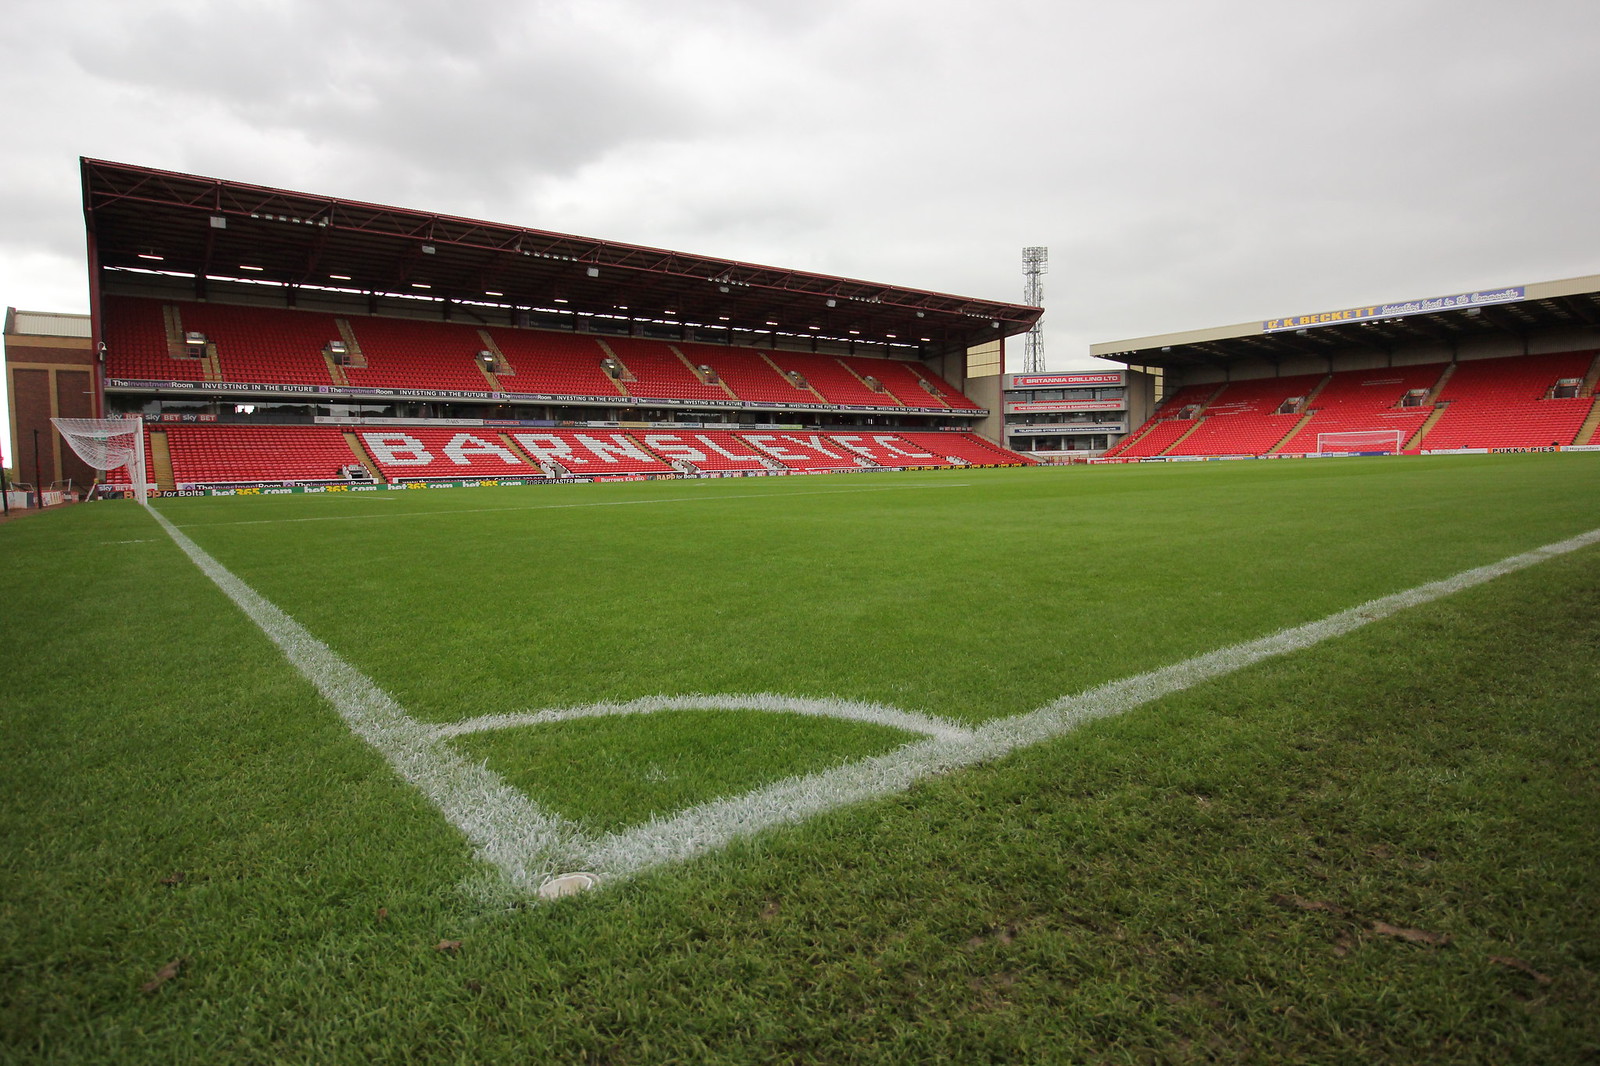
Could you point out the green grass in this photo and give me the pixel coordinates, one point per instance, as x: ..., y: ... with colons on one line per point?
x: 1108, y: 896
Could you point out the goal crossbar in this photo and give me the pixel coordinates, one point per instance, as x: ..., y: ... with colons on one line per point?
x: 1361, y: 440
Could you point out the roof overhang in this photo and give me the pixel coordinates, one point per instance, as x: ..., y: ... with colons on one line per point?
x: 1516, y: 310
x: 206, y: 228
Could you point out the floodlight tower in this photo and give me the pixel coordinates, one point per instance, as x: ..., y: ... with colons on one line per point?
x: 1034, y: 263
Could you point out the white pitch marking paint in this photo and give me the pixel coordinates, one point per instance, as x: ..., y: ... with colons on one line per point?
x: 530, y: 845
x: 872, y: 713
x: 571, y: 506
x: 712, y: 825
x: 505, y: 827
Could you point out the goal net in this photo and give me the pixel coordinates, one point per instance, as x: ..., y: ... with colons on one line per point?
x: 1360, y: 440
x: 110, y: 444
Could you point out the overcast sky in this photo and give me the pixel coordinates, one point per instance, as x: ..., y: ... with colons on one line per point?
x: 1187, y: 163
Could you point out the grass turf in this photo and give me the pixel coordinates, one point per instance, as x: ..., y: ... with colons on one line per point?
x: 1106, y: 896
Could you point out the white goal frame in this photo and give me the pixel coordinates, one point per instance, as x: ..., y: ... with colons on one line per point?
x: 1361, y: 440
x: 110, y: 444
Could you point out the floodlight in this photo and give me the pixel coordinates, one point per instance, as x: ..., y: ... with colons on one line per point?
x: 593, y: 272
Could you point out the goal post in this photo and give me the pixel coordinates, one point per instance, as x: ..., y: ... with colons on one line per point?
x: 1360, y: 440
x: 110, y: 444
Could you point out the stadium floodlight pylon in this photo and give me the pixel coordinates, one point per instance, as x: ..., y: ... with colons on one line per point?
x: 1360, y: 440
x: 110, y: 444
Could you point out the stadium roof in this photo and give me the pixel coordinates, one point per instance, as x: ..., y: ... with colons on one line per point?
x: 1512, y: 310
x: 46, y: 324
x: 156, y: 220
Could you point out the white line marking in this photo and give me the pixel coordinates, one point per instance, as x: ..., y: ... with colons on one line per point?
x: 587, y: 503
x: 713, y: 825
x: 873, y: 713
x: 529, y: 845
x: 504, y: 826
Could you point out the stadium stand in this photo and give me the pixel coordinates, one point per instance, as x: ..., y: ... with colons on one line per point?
x: 590, y: 452
x: 898, y: 379
x: 658, y: 372
x: 230, y: 454
x: 807, y: 451
x: 553, y: 364
x: 948, y: 392
x: 1242, y: 419
x: 401, y: 354
x: 1507, y: 403
x: 833, y: 381
x: 267, y: 346
x: 1355, y: 400
x: 967, y: 447
x: 257, y: 344
x: 416, y: 453
x: 233, y: 455
x: 1164, y: 427
x: 749, y: 374
x: 138, y: 345
x: 706, y: 450
x: 887, y: 449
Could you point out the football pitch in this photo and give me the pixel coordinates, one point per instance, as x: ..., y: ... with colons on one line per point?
x: 1274, y: 761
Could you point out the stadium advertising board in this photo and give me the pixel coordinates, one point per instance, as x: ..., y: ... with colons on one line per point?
x: 373, y: 392
x: 1024, y: 406
x: 1064, y: 381
x: 1067, y: 429
x: 1459, y: 301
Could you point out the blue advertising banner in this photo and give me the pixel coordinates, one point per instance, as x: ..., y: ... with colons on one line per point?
x: 1457, y: 302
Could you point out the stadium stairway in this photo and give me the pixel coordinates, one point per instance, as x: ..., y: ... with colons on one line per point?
x: 1591, y: 380
x: 172, y: 319
x: 363, y: 457
x: 1438, y: 386
x: 353, y: 353
x: 1431, y: 421
x: 881, y: 389
x: 695, y: 370
x: 1294, y: 431
x: 1133, y: 438
x: 336, y: 372
x: 1186, y: 435
x: 502, y: 365
x: 1308, y: 411
x: 1586, y: 432
x: 624, y: 375
x: 161, y: 461
x: 781, y: 372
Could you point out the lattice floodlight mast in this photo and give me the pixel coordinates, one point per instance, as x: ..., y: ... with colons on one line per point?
x: 110, y: 444
x: 1034, y: 262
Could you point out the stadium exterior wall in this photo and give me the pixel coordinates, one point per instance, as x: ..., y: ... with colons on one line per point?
x: 51, y: 371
